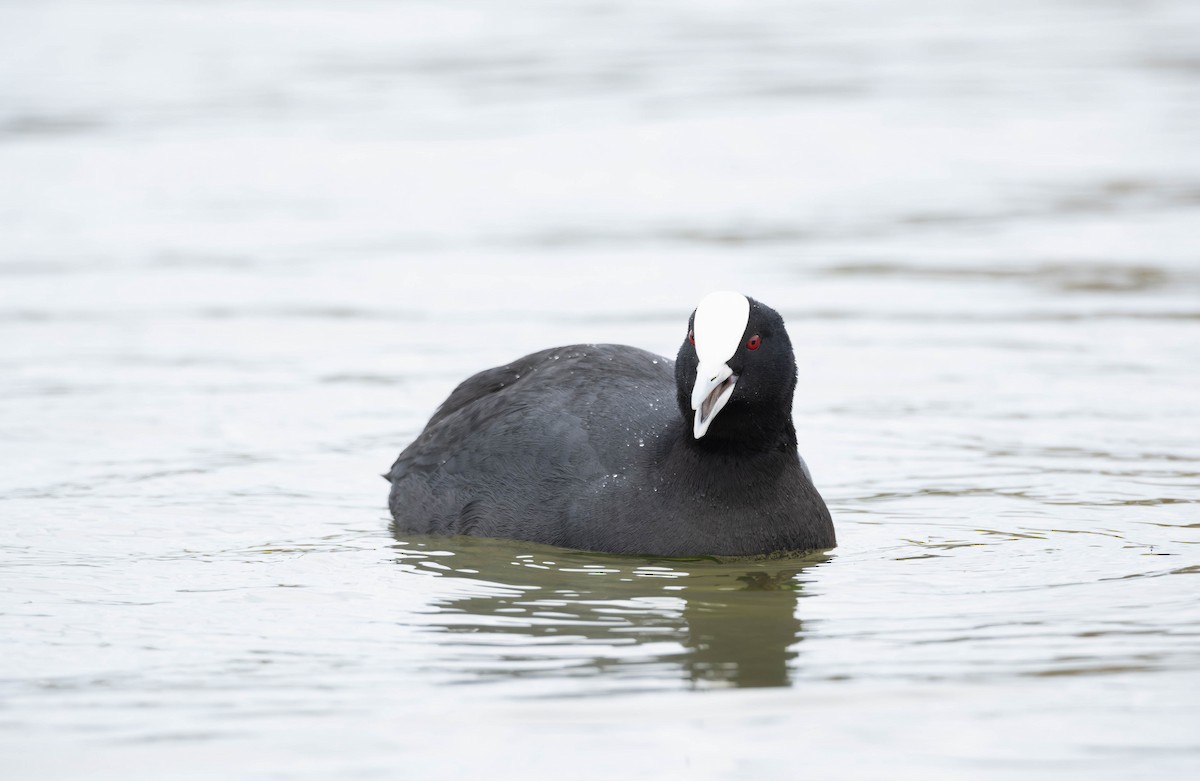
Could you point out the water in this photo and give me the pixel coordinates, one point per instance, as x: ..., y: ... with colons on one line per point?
x: 249, y: 246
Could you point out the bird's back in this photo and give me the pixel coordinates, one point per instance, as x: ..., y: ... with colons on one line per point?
x: 511, y: 449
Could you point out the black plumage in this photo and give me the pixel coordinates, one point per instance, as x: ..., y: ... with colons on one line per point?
x: 592, y: 447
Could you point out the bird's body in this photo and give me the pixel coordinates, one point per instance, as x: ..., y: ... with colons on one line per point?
x: 585, y: 447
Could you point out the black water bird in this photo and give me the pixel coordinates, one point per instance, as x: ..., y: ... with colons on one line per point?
x: 610, y: 448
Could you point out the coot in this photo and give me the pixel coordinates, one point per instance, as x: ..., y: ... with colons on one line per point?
x: 605, y: 447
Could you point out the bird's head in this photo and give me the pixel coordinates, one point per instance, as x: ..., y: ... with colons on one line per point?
x: 736, y: 373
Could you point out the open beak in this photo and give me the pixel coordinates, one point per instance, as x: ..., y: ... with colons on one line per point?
x: 714, y: 386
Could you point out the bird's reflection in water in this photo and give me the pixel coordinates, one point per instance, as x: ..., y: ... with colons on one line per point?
x: 514, y: 609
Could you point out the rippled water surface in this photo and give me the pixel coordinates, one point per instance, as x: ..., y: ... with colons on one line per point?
x: 246, y: 248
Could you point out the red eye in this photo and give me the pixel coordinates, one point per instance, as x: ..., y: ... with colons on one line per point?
x: 692, y: 337
x: 754, y: 342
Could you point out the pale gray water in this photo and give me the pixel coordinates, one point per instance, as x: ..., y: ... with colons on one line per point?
x: 247, y: 247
